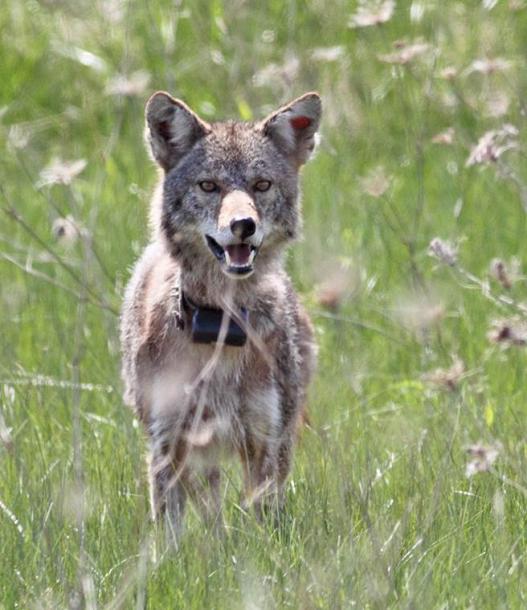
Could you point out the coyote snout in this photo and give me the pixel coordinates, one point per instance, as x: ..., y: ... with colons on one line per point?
x: 238, y: 235
x: 213, y: 365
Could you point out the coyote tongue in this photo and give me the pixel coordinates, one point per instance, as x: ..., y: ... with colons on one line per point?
x: 238, y: 255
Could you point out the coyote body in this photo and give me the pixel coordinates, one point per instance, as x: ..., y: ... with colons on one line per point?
x: 226, y: 207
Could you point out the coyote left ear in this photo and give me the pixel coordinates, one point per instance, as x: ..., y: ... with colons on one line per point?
x: 172, y: 128
x: 293, y: 127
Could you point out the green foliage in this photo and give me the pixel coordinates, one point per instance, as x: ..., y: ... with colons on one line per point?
x: 380, y: 511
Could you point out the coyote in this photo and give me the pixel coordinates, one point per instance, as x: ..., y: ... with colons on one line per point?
x: 217, y: 350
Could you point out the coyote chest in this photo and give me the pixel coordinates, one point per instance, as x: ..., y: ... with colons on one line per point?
x: 198, y: 394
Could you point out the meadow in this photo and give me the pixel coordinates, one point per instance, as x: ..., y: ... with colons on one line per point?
x: 409, y: 488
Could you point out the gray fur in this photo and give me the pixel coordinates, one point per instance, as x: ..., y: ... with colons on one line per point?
x: 199, y: 402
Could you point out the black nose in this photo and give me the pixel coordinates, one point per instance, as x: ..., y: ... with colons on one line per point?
x: 243, y: 227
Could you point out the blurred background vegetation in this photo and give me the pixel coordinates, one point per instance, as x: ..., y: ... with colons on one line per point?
x: 410, y: 484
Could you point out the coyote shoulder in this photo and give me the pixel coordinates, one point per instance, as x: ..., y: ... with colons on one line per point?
x: 217, y: 350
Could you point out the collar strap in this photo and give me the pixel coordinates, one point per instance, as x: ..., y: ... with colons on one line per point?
x: 207, y: 324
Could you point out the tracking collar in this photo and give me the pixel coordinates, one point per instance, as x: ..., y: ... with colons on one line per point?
x: 207, y: 324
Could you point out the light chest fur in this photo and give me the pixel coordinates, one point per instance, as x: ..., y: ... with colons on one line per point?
x: 199, y: 393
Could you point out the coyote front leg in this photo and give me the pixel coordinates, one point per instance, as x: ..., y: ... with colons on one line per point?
x: 205, y: 492
x: 261, y: 476
x: 168, y: 489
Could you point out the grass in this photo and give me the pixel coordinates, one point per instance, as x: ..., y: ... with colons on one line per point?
x: 380, y: 512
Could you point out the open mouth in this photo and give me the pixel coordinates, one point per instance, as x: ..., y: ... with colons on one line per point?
x: 237, y: 259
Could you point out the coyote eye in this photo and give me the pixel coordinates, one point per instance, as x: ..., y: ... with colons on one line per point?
x: 262, y: 186
x: 208, y: 186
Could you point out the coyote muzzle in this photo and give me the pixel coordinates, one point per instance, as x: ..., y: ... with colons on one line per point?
x: 238, y: 235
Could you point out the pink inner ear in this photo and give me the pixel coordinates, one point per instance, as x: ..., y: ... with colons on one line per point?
x: 300, y: 122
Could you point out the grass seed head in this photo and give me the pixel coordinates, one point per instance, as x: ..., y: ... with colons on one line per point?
x: 448, y: 378
x: 487, y: 65
x: 508, y: 332
x: 278, y: 74
x: 418, y: 312
x: 341, y: 281
x: 327, y: 54
x: 376, y: 182
x: 405, y: 52
x: 482, y: 457
x: 135, y: 84
x: 372, y: 12
x: 448, y: 73
x: 18, y: 136
x: 444, y: 137
x: 61, y: 172
x: 444, y: 251
x: 498, y: 270
x: 492, y: 145
x: 67, y: 230
x: 497, y: 104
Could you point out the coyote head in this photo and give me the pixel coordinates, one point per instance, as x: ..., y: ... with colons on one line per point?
x: 230, y: 189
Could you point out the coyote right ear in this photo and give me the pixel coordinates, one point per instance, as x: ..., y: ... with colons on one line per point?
x: 172, y: 128
x: 293, y: 127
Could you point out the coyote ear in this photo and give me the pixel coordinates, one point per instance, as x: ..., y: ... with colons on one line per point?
x: 293, y: 127
x: 172, y: 128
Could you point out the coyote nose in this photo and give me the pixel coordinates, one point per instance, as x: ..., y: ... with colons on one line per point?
x: 243, y: 227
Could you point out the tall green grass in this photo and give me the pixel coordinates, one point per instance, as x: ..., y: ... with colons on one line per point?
x: 380, y: 512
